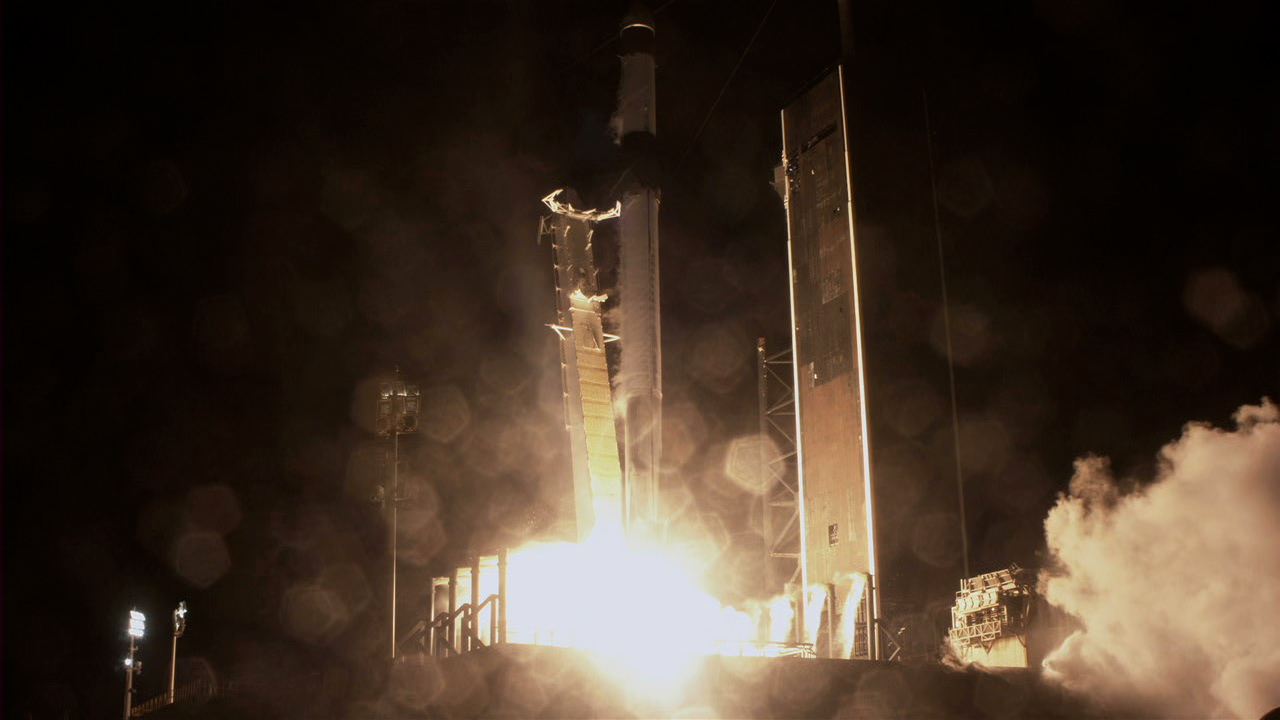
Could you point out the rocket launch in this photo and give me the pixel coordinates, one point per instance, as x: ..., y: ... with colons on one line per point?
x: 640, y: 360
x: 615, y: 483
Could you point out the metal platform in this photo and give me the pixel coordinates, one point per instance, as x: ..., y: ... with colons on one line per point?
x: 527, y: 681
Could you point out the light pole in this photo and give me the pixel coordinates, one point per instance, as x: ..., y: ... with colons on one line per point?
x: 397, y: 415
x: 179, y: 627
x: 137, y: 628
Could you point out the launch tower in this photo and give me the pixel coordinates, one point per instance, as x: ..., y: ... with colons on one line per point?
x: 837, y: 518
x: 589, y: 416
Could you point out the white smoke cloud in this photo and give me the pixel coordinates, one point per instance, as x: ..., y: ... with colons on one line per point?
x: 1176, y: 585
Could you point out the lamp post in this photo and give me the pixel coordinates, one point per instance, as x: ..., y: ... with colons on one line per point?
x: 397, y: 415
x: 137, y: 628
x: 179, y: 627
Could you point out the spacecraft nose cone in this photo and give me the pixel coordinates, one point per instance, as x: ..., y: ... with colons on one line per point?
x: 638, y: 14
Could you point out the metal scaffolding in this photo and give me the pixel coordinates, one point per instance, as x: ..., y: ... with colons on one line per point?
x: 780, y: 507
x: 397, y: 415
x: 991, y: 606
x: 480, y: 620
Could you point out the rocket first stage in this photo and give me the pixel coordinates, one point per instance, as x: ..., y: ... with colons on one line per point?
x: 640, y: 360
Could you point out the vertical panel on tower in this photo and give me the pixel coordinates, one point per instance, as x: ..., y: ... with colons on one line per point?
x: 837, y: 514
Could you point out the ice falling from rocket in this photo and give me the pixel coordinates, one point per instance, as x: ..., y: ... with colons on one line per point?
x: 640, y: 361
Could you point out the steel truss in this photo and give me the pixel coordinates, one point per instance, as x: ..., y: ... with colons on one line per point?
x: 780, y: 502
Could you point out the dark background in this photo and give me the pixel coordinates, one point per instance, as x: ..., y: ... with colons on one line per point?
x: 225, y: 223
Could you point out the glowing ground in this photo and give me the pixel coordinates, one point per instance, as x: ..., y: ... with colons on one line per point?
x: 521, y: 681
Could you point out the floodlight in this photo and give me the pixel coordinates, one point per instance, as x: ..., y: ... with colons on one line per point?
x: 137, y: 624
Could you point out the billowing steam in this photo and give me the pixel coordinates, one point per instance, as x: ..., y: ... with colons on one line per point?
x: 1176, y: 585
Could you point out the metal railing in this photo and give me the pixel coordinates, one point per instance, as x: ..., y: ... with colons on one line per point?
x: 459, y: 628
x: 447, y: 628
x: 978, y: 633
x: 764, y: 648
x: 198, y: 691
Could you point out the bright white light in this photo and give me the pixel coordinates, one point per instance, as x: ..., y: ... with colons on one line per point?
x: 817, y: 599
x: 137, y: 624
x: 128, y: 662
x: 781, y: 615
x: 639, y: 612
x: 848, y: 618
x: 180, y: 619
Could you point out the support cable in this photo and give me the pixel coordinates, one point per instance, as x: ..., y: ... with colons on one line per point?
x: 725, y: 86
x: 946, y: 323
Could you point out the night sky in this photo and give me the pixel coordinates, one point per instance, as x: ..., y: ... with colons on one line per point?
x: 224, y: 224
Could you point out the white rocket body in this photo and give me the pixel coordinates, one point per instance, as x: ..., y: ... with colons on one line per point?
x: 640, y: 362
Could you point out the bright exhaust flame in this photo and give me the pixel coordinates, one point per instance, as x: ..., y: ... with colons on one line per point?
x: 849, y: 616
x: 638, y: 611
x: 815, y: 600
x: 853, y: 589
x: 781, y: 615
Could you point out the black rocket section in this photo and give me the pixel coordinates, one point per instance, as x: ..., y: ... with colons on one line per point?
x: 639, y: 145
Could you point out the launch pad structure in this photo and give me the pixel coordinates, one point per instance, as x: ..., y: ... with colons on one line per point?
x: 551, y: 682
x: 818, y: 510
x: 837, y: 510
x: 598, y: 491
x: 780, y: 499
x: 821, y: 546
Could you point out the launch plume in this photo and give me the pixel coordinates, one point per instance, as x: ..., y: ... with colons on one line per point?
x: 1176, y: 585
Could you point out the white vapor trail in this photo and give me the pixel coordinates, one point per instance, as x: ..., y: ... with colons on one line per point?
x: 1176, y: 585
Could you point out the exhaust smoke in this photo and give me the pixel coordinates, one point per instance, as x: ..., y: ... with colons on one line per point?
x: 1176, y: 585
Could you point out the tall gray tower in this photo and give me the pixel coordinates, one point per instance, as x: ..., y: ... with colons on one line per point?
x: 837, y: 518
